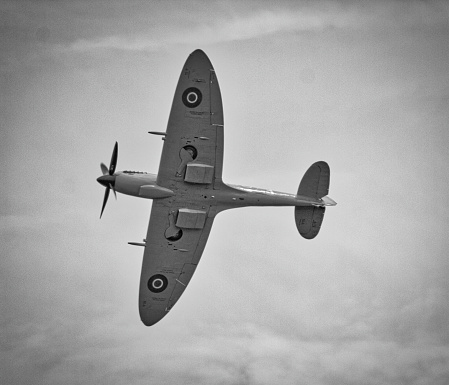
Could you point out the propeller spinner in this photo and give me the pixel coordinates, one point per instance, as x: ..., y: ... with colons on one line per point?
x: 108, y: 178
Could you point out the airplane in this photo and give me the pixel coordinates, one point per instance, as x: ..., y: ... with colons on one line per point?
x: 188, y: 190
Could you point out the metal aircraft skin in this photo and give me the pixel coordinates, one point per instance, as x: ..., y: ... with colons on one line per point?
x: 188, y: 191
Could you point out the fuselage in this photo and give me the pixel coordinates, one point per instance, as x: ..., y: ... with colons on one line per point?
x: 144, y: 185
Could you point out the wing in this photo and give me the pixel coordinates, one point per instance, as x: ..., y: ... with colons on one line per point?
x: 195, y: 125
x: 171, y: 255
x: 191, y: 165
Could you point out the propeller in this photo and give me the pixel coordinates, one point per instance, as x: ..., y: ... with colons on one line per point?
x: 108, y: 178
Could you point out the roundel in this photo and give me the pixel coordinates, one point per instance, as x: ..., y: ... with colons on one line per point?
x: 157, y: 283
x: 192, y: 97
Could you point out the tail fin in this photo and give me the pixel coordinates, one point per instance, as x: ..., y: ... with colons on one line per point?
x: 314, y: 184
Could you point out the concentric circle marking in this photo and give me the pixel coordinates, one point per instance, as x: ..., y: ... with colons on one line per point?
x: 157, y: 283
x: 192, y: 97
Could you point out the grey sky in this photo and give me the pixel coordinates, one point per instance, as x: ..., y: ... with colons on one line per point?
x: 364, y: 87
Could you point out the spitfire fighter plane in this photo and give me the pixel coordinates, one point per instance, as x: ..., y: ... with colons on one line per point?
x: 188, y: 190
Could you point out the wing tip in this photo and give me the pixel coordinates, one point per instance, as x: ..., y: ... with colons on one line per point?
x: 150, y: 318
x: 198, y: 52
x: 199, y: 57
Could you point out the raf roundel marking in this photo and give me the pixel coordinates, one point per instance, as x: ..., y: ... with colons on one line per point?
x: 192, y: 97
x: 157, y: 283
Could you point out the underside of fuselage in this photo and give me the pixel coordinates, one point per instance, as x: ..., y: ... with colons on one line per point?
x: 144, y: 185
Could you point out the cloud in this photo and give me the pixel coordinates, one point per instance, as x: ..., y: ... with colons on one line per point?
x: 243, y: 353
x: 115, y: 42
x: 366, y: 303
x: 236, y: 28
x: 149, y: 27
x: 253, y: 354
x: 203, y: 28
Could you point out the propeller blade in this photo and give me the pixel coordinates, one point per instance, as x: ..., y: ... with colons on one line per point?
x: 104, y: 169
x: 106, y: 196
x: 113, y: 189
x: 108, y: 177
x: 113, y: 159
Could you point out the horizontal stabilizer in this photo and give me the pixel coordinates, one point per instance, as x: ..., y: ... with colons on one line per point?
x: 315, y: 182
x: 308, y: 220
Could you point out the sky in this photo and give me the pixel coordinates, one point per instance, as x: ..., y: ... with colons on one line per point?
x: 361, y: 85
